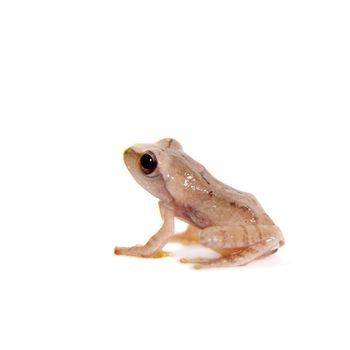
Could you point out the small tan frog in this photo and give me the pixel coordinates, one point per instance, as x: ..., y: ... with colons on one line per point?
x: 228, y: 221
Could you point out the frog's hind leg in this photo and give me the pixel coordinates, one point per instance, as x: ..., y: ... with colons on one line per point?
x: 190, y: 236
x: 238, y: 245
x: 244, y: 257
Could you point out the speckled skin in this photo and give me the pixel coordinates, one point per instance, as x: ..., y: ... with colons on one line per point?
x: 220, y: 217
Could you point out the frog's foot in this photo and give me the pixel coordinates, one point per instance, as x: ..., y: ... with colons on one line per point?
x: 184, y: 239
x: 161, y: 254
x: 138, y: 251
x: 195, y: 261
x: 200, y: 263
x: 190, y: 236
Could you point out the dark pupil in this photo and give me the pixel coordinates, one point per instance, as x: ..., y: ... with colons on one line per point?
x: 148, y: 163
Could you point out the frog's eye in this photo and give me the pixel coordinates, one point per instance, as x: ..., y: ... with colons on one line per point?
x: 148, y: 162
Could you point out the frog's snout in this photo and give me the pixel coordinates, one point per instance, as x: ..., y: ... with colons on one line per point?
x: 129, y: 151
x: 129, y: 156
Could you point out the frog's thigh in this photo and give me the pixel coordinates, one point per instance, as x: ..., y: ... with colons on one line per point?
x: 223, y: 239
x: 238, y: 245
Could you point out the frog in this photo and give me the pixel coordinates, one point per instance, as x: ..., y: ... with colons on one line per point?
x: 230, y: 222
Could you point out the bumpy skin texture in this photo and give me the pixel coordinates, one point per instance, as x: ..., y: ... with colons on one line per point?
x: 220, y: 217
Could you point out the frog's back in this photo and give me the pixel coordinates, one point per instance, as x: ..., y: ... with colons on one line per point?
x: 224, y: 205
x: 243, y: 208
x: 202, y: 200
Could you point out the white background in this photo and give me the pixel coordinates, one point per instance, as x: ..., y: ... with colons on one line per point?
x: 258, y: 91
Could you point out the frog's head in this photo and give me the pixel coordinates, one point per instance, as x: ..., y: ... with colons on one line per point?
x: 149, y: 164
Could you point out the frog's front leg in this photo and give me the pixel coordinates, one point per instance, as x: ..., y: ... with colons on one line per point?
x: 238, y: 245
x: 153, y: 248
